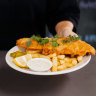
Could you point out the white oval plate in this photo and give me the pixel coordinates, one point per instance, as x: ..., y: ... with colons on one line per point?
x: 9, y: 61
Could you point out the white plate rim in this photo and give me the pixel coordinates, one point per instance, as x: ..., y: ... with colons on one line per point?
x: 44, y: 73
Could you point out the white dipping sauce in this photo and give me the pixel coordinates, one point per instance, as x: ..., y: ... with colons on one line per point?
x: 39, y: 64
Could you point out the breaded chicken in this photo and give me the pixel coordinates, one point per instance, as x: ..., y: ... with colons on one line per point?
x: 74, y: 48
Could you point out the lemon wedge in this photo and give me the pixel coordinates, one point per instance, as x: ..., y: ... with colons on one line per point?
x: 22, y: 60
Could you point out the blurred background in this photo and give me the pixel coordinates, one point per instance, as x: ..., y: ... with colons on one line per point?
x: 87, y: 24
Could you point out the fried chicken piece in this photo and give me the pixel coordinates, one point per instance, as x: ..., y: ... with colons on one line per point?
x: 75, y: 47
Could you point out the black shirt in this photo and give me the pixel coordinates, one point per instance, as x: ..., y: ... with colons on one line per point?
x: 22, y: 18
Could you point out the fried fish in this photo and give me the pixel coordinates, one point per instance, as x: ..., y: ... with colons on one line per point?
x: 77, y: 47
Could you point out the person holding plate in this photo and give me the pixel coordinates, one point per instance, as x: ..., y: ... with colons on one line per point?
x: 23, y: 18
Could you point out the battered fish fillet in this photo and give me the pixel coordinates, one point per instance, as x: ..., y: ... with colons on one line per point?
x: 34, y: 45
x: 78, y: 47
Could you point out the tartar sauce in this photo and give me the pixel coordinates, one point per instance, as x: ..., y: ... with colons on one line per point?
x: 39, y: 64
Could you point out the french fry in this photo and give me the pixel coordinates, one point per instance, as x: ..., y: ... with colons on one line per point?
x: 58, y: 63
x: 54, y: 66
x: 46, y: 57
x: 61, y: 67
x: 80, y: 58
x: 61, y: 57
x: 52, y: 55
x: 32, y: 51
x: 74, y: 61
x: 35, y: 55
x: 68, y: 65
x: 67, y: 60
x: 62, y: 62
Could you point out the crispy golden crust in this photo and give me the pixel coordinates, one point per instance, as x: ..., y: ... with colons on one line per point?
x: 34, y: 45
x: 75, y: 48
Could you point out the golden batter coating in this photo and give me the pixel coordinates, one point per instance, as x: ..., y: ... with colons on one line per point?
x: 77, y: 47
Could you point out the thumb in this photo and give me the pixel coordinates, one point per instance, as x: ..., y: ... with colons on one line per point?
x: 73, y: 33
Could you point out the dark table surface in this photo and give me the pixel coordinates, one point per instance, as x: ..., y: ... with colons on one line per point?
x: 78, y: 83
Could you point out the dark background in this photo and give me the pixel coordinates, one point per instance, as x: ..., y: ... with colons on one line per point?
x: 87, y: 24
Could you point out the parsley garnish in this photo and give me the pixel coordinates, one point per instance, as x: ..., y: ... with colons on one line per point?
x: 74, y: 38
x: 38, y: 39
x: 55, y: 44
x: 44, y: 41
x: 56, y: 36
x: 28, y: 43
x: 71, y: 38
x: 54, y: 40
x: 45, y: 38
x: 66, y: 40
x: 33, y: 37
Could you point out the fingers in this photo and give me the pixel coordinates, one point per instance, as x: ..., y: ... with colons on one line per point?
x: 67, y: 32
x: 73, y: 33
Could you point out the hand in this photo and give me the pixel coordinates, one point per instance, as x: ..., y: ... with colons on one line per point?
x: 66, y: 32
x: 64, y: 28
